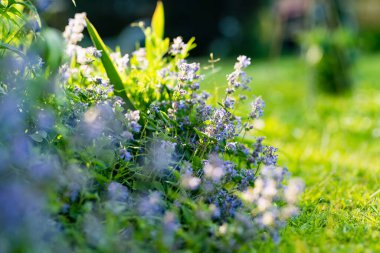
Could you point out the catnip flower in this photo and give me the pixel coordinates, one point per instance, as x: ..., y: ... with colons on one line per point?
x: 239, y: 78
x: 117, y: 192
x: 94, y: 52
x: 188, y: 73
x: 270, y: 156
x: 151, y: 205
x: 125, y: 155
x: 74, y: 30
x: 292, y: 191
x: 178, y: 46
x: 190, y: 182
x: 85, y: 55
x: 229, y: 102
x: 132, y: 118
x: 257, y: 108
x: 140, y: 56
x: 120, y: 61
x: 231, y: 146
x: 161, y: 155
x: 242, y: 62
x: 214, y: 168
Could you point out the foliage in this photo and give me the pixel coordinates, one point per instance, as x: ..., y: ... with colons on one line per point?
x: 330, y: 54
x: 113, y: 152
x: 19, y: 22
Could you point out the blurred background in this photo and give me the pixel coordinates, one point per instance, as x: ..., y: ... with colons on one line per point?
x: 260, y: 28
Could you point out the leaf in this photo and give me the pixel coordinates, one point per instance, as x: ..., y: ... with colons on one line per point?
x: 158, y: 20
x: 203, y: 135
x: 13, y: 49
x: 110, y: 67
x: 74, y: 3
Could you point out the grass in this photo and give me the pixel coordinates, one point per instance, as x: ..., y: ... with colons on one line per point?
x: 333, y: 143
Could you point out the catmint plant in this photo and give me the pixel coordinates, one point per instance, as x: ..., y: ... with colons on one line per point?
x: 125, y: 152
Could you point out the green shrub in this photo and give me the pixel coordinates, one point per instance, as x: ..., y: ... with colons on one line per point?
x: 330, y: 54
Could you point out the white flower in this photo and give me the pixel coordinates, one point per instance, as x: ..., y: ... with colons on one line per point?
x: 73, y: 31
x: 270, y: 189
x: 268, y: 218
x: 133, y: 115
x: 140, y: 56
x: 177, y: 47
x: 289, y: 211
x: 249, y: 195
x: 120, y: 61
x: 161, y: 154
x: 263, y: 204
x: 242, y: 62
x: 190, y: 182
x: 214, y: 168
x: 293, y: 190
x: 94, y: 52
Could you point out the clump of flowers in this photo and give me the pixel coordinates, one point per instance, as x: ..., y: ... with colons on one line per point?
x: 152, y: 167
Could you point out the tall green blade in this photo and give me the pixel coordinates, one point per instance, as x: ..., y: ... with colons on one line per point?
x: 158, y: 20
x: 110, y: 67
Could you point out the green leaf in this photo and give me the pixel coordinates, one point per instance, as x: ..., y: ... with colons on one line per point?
x: 74, y: 3
x: 110, y: 67
x: 49, y: 46
x: 158, y: 20
x: 13, y: 49
x: 203, y: 135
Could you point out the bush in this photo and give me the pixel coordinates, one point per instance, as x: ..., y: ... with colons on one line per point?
x: 330, y: 54
x: 112, y: 152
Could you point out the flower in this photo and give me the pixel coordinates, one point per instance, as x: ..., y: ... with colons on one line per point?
x: 178, y: 46
x: 190, y: 182
x: 161, y: 155
x: 151, y: 205
x: 293, y: 190
x: 188, y: 73
x: 140, y: 56
x: 125, y: 155
x: 120, y: 61
x: 242, y: 62
x: 117, y: 192
x: 239, y: 78
x: 231, y: 146
x: 73, y: 31
x: 132, y: 118
x: 269, y: 155
x: 229, y: 103
x: 214, y: 168
x: 257, y: 108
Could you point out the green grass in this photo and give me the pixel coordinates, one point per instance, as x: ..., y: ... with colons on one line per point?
x: 333, y: 143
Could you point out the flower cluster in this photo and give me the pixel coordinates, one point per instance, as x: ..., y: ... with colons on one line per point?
x: 267, y: 189
x: 84, y: 171
x: 178, y: 46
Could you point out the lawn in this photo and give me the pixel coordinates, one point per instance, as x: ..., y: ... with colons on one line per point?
x: 330, y: 142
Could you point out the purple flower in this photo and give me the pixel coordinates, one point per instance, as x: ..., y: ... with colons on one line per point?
x: 257, y: 108
x: 229, y: 103
x: 125, y: 155
x: 178, y: 46
x: 269, y: 155
x: 188, y: 73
